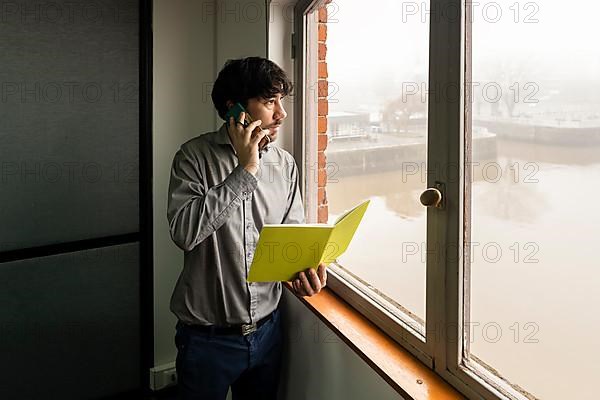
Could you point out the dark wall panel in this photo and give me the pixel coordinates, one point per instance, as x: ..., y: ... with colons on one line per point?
x: 69, y: 127
x: 70, y: 325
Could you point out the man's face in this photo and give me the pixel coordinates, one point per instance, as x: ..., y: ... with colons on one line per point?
x: 270, y: 111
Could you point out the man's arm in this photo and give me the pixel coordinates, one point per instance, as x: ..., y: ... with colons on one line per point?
x: 194, y: 211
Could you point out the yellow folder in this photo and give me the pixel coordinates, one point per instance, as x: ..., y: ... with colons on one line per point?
x: 283, y: 250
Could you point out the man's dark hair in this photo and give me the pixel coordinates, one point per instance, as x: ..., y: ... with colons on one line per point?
x: 245, y: 78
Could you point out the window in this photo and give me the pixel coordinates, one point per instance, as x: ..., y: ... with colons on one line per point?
x: 536, y: 97
x: 494, y: 104
x: 370, y: 142
x: 377, y: 139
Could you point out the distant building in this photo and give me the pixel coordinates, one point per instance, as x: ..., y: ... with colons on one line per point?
x: 342, y: 125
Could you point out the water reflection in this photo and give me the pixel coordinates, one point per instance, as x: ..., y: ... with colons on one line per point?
x: 399, y: 191
x: 508, y: 190
x: 506, y: 186
x: 521, y: 203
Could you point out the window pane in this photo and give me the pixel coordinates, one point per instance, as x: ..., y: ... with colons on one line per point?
x: 534, y: 275
x: 377, y: 132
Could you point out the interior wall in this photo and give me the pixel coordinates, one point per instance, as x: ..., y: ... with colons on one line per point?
x: 319, y: 365
x: 279, y: 50
x: 183, y: 69
x: 241, y: 29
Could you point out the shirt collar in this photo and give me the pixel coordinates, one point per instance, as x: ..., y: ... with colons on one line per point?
x: 222, y: 137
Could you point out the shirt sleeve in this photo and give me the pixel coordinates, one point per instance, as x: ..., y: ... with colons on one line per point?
x: 295, y: 209
x: 194, y: 211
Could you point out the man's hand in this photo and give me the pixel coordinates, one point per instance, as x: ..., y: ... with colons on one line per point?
x: 245, y: 142
x: 310, y: 282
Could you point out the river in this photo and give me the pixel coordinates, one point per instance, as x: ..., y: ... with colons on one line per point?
x: 535, y: 236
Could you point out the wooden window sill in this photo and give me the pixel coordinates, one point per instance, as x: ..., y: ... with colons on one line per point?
x: 406, y: 374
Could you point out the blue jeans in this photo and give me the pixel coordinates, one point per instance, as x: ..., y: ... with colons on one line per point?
x: 207, y: 365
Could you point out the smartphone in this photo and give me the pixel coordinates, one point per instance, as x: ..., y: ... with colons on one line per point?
x: 235, y: 112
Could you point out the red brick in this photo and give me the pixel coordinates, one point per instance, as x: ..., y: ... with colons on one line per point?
x: 323, y: 214
x: 322, y: 70
x: 322, y: 159
x: 322, y: 140
x: 322, y: 196
x: 322, y: 32
x: 322, y: 177
x: 322, y: 145
x: 322, y: 52
x: 323, y: 14
x: 323, y: 88
x: 323, y: 107
x: 322, y: 124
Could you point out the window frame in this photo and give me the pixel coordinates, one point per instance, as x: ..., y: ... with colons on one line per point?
x: 448, y: 144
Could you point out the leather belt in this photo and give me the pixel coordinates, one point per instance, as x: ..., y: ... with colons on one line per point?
x: 243, y: 329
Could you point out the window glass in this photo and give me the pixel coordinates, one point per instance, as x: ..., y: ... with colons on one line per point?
x: 377, y: 57
x: 534, y: 275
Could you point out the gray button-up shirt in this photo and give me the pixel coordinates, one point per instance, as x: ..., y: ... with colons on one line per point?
x: 216, y: 210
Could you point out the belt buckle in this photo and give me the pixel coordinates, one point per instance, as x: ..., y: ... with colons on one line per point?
x: 248, y: 329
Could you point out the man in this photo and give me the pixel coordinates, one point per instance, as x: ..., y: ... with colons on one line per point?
x: 224, y: 187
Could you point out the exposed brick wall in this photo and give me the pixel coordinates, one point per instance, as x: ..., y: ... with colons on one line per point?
x: 323, y: 109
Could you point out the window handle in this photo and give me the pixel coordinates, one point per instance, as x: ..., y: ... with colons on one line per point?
x: 433, y: 197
